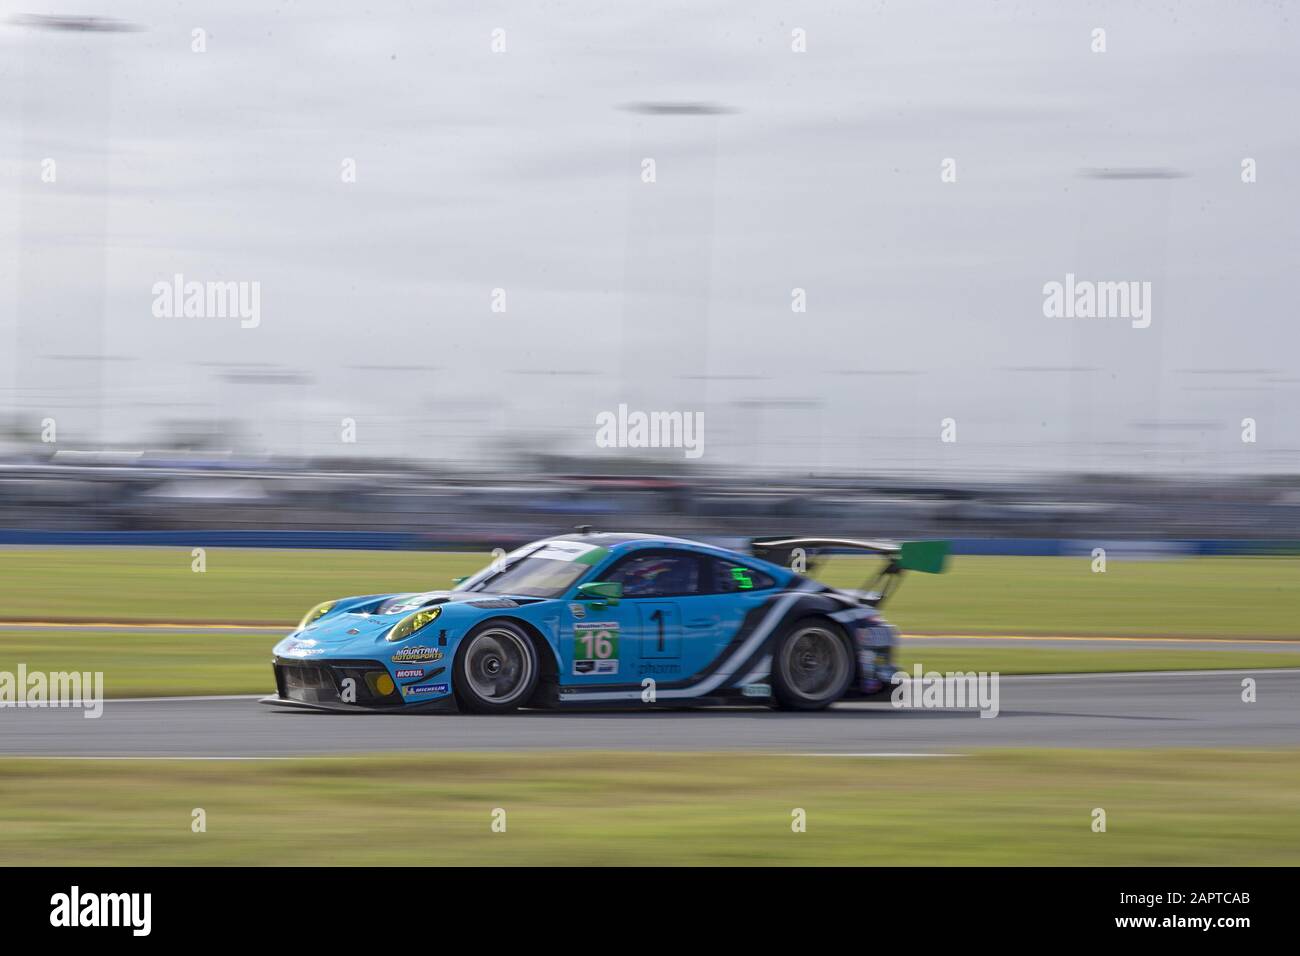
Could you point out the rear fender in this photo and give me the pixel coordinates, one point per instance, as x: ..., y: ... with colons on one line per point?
x: 872, y: 637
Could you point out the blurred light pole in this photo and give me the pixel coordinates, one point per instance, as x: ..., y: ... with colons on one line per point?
x: 60, y: 306
x: 669, y: 255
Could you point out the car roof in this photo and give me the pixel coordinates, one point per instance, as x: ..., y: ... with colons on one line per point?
x: 621, y: 542
x: 617, y: 542
x: 615, y: 539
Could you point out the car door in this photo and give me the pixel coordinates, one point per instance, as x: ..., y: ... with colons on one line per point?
x: 659, y: 639
x: 598, y: 645
x: 735, y: 590
x: 672, y: 636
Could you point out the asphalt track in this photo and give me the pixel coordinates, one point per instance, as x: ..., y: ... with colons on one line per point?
x: 1167, y: 709
x: 1113, y: 643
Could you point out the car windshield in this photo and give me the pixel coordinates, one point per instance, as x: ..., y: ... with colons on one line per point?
x: 529, y: 576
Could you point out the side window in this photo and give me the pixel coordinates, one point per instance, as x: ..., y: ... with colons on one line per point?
x: 731, y: 578
x: 660, y: 574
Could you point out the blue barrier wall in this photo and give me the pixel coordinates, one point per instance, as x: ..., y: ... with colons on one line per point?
x: 348, y: 540
x: 415, y: 541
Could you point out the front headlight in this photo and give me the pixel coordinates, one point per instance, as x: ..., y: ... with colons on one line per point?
x: 316, y: 613
x: 412, y: 623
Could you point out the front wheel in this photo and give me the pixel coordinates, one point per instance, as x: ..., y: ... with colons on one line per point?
x: 496, y: 668
x: 812, y: 666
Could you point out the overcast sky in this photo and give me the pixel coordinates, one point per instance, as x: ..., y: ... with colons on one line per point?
x: 522, y: 170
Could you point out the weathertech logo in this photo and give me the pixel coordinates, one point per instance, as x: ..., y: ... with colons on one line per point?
x: 102, y: 909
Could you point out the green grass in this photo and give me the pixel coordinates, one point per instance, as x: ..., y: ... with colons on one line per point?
x: 223, y: 662
x: 1196, y: 597
x: 1211, y: 597
x: 1054, y: 660
x: 151, y: 664
x: 1164, y: 808
x: 239, y: 585
x: 1191, y: 597
x: 1172, y: 808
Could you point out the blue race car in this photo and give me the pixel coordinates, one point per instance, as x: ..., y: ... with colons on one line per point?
x: 608, y: 620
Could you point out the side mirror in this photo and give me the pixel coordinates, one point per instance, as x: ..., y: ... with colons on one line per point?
x: 601, y: 592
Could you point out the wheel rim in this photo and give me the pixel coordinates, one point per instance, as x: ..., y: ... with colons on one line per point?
x: 814, y: 663
x: 498, y: 665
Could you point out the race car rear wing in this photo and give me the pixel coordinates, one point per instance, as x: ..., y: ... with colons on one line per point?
x: 804, y: 554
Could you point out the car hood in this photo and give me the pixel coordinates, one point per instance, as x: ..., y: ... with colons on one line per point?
x: 357, y: 626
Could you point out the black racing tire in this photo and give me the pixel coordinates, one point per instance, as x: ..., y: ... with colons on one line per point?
x: 812, y: 664
x: 496, y: 668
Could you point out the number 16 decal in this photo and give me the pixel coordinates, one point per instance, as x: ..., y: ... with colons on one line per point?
x: 595, y: 647
x: 661, y: 631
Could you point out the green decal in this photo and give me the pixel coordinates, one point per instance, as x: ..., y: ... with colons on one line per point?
x: 742, y: 578
x: 595, y: 642
x: 927, y: 556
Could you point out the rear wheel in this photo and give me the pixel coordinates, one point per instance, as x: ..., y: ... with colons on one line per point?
x: 812, y: 666
x: 496, y: 668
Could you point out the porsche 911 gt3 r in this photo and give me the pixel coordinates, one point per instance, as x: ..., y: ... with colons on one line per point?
x: 607, y: 620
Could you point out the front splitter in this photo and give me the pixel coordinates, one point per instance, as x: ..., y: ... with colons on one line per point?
x: 444, y: 705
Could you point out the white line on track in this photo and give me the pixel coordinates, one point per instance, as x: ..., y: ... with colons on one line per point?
x: 861, y: 755
x: 146, y: 700
x: 138, y: 626
x: 1219, y: 673
x: 21, y: 756
x: 1005, y: 677
x: 1130, y: 639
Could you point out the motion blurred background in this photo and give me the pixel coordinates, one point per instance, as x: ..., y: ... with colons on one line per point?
x: 498, y: 154
x: 462, y: 264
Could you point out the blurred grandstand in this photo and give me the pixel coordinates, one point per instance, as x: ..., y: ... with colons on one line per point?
x: 461, y: 505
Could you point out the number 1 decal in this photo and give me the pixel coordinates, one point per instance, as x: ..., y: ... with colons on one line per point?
x: 658, y: 618
x: 661, y: 631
